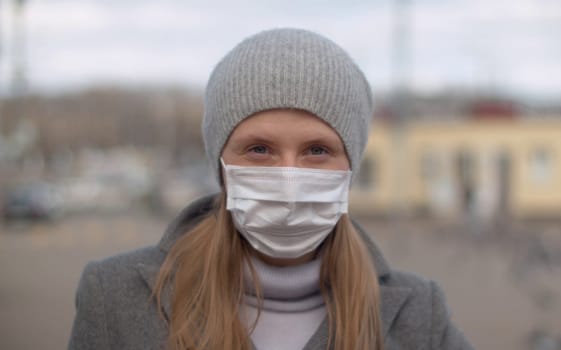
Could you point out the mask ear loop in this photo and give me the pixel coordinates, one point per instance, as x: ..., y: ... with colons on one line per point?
x: 223, y: 193
x: 223, y: 179
x: 223, y: 170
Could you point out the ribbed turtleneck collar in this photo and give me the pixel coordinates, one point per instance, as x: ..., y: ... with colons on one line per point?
x: 285, y: 289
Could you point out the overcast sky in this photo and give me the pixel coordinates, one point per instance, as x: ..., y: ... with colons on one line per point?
x: 512, y: 45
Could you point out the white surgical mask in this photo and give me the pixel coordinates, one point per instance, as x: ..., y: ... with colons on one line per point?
x: 285, y: 212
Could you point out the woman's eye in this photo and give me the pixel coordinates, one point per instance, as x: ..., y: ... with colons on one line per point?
x: 317, y: 150
x: 258, y: 149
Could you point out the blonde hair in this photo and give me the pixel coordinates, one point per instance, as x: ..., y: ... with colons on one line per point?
x: 205, y: 270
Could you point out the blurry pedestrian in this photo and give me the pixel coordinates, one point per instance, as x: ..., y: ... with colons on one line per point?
x: 273, y: 261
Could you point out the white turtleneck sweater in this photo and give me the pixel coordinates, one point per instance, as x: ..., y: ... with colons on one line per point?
x: 293, y: 307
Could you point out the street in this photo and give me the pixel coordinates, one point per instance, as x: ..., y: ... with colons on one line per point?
x: 501, y: 295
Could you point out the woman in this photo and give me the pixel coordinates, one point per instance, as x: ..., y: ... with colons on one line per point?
x: 273, y: 261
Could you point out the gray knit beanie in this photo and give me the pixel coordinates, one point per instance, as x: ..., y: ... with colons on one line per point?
x: 287, y: 68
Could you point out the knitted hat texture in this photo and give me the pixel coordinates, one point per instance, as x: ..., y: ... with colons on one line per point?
x: 287, y: 68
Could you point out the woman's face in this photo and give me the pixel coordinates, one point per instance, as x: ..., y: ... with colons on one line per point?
x: 285, y: 138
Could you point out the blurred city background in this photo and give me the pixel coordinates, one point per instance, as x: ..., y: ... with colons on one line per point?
x: 100, y: 146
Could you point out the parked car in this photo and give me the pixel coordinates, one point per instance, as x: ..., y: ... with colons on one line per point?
x: 34, y: 201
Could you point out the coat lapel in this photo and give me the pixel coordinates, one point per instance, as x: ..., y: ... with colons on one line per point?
x: 391, y: 298
x: 391, y: 301
x: 149, y: 273
x: 186, y: 219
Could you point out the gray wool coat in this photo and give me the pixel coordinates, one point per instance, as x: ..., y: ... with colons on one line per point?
x: 114, y: 309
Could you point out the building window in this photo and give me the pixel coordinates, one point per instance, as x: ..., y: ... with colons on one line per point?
x: 431, y: 167
x: 541, y: 165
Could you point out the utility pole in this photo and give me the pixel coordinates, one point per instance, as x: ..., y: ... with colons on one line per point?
x: 1, y: 38
x: 1, y: 66
x: 401, y: 54
x: 19, y: 73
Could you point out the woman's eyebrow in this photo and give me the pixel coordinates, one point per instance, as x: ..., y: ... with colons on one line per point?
x: 253, y: 138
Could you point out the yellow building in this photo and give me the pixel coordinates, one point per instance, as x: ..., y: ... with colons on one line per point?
x: 449, y: 168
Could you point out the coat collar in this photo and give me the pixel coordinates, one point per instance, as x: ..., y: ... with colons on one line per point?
x: 392, y: 298
x: 186, y: 219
